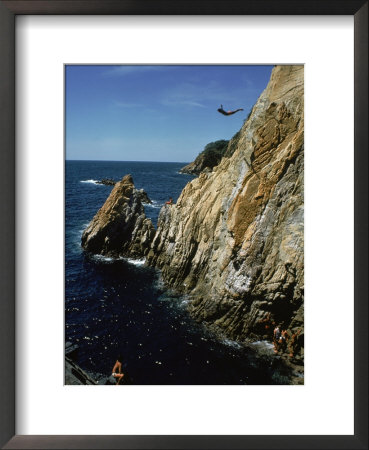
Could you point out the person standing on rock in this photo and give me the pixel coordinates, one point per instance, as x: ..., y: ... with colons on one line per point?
x: 283, y: 340
x: 117, y: 370
x: 170, y: 201
x: 276, y: 338
x: 293, y: 342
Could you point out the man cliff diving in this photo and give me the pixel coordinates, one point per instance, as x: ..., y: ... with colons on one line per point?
x: 228, y: 113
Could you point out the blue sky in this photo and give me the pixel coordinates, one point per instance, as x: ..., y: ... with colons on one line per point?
x: 155, y: 113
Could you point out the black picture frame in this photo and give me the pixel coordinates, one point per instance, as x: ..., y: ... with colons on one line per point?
x: 8, y: 11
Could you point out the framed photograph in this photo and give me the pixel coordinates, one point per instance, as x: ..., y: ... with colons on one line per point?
x: 166, y: 163
x: 127, y: 195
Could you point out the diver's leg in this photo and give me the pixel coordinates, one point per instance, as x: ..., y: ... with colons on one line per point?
x: 120, y: 377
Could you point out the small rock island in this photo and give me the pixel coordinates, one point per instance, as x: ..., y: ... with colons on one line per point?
x: 120, y: 227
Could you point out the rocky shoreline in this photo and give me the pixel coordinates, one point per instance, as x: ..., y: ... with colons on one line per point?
x: 207, y: 159
x: 233, y: 242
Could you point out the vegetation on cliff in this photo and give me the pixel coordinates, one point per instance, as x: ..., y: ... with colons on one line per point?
x: 208, y: 158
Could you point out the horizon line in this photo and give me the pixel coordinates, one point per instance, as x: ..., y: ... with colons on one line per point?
x: 125, y: 160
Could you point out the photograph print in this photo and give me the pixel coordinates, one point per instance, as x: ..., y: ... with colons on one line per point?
x: 184, y: 225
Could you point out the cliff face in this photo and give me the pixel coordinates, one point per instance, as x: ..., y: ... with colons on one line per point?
x: 120, y: 227
x: 234, y: 240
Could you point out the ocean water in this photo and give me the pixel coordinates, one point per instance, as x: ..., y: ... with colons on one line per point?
x: 122, y: 307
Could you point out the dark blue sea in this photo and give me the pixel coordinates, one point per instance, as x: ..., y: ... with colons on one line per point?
x: 122, y: 307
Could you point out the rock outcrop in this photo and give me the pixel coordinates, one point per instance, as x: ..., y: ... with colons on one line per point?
x: 75, y: 375
x: 234, y: 239
x: 120, y: 227
x: 107, y: 182
x: 144, y: 198
x: 207, y: 159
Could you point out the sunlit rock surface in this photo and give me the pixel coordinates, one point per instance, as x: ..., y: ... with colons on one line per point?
x: 234, y: 240
x: 120, y: 227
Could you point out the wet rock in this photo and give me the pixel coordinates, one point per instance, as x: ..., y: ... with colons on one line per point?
x: 107, y: 182
x: 75, y: 375
x: 120, y: 227
x: 71, y: 350
x: 109, y: 381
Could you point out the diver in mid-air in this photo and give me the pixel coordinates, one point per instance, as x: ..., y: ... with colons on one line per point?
x: 228, y: 113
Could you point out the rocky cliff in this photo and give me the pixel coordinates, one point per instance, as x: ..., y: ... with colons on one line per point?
x: 234, y: 240
x: 120, y: 227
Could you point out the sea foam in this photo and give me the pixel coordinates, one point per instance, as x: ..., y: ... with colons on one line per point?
x: 231, y: 343
x: 102, y: 258
x: 110, y: 259
x: 90, y: 181
x: 263, y: 345
x: 136, y: 262
x: 155, y: 204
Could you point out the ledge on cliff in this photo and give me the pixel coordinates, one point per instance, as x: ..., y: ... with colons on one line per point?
x: 120, y: 227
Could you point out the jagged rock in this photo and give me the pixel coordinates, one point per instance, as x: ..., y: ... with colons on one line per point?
x: 108, y: 381
x: 107, y: 182
x: 143, y: 196
x: 75, y: 375
x: 71, y: 350
x: 120, y: 227
x: 234, y: 239
x: 141, y: 193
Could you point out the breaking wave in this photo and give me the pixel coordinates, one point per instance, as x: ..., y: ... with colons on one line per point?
x: 90, y: 181
x: 136, y: 262
x: 155, y: 204
x: 111, y: 259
